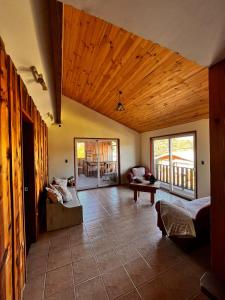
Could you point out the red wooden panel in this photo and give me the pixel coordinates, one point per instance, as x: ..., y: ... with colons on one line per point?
x: 217, y: 166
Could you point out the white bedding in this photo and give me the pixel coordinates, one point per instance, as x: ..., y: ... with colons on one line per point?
x: 178, y: 215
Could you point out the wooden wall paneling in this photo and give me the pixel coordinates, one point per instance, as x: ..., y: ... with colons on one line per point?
x: 36, y: 165
x: 41, y: 175
x: 24, y: 95
x: 16, y: 180
x: 6, y: 290
x: 15, y: 100
x: 45, y: 154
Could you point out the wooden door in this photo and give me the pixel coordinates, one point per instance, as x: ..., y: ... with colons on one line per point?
x: 29, y: 183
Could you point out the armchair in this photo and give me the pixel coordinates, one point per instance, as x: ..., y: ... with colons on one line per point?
x: 139, y: 172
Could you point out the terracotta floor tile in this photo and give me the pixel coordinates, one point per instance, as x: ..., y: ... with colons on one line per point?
x: 127, y: 253
x: 39, y: 249
x: 75, y: 241
x: 59, y: 233
x: 183, y: 279
x: 67, y: 294
x: 58, y: 280
x: 85, y: 269
x: 58, y: 259
x: 119, y: 234
x: 160, y: 259
x: 59, y: 243
x: 81, y: 251
x: 79, y: 236
x: 36, y: 266
x: 139, y: 271
x: 91, y: 290
x: 34, y: 289
x: 155, y: 290
x: 200, y: 296
x: 102, y: 245
x: 117, y: 282
x: 130, y: 296
x: 108, y: 261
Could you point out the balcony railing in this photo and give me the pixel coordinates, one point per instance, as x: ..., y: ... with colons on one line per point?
x: 181, y: 176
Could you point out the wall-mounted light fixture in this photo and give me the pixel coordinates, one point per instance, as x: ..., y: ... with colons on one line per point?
x: 50, y: 116
x: 38, y: 77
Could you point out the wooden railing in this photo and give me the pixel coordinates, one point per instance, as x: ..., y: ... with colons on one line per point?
x: 181, y: 176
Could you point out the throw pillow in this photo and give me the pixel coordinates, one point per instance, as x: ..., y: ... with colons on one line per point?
x: 52, y: 186
x: 138, y: 172
x: 60, y: 181
x: 53, y: 195
x: 66, y: 195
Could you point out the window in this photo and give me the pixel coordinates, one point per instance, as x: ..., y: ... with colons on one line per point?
x: 80, y: 150
x: 96, y: 162
x: 174, y: 163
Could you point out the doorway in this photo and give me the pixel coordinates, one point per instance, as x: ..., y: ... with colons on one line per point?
x: 29, y: 182
x: 96, y: 163
x: 174, y: 163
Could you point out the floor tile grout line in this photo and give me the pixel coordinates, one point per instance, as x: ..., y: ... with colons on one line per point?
x: 45, y: 276
x: 102, y: 222
x: 99, y: 271
x: 43, y: 293
x: 75, y: 290
x: 123, y: 265
x: 131, y: 281
x: 96, y: 261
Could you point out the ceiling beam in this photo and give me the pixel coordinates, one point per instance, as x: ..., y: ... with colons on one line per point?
x: 56, y: 25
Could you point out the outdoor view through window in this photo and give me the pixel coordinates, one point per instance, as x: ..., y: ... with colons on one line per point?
x: 174, y: 163
x: 96, y: 162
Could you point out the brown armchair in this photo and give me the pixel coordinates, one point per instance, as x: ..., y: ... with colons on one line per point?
x: 131, y: 174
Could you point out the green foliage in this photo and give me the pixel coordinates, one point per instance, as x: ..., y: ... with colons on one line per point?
x: 161, y: 147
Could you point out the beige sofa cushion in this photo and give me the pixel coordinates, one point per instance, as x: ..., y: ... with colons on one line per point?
x: 66, y: 195
x: 60, y: 181
x: 54, y: 195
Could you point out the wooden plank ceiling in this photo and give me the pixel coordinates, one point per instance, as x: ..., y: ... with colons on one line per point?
x: 160, y: 88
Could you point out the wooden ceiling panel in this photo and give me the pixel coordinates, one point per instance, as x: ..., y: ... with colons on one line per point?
x: 160, y: 87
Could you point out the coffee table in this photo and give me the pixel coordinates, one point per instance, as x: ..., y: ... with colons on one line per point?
x: 145, y: 187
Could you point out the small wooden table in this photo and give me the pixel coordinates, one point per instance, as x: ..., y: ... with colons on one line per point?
x: 145, y: 187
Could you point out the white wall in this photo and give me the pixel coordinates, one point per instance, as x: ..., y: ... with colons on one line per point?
x: 80, y: 121
x: 202, y: 129
x: 24, y: 28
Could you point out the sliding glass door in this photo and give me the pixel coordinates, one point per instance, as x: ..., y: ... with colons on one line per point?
x: 174, y: 163
x: 96, y: 163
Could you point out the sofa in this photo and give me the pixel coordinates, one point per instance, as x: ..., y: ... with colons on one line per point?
x: 138, y: 172
x: 66, y: 214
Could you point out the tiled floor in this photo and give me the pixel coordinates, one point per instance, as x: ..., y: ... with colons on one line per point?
x: 118, y: 253
x: 85, y: 182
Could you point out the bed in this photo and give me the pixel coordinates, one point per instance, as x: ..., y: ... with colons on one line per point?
x: 185, y: 222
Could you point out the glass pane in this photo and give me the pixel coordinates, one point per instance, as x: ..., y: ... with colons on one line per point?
x: 81, y: 150
x: 86, y: 164
x: 162, y: 160
x: 183, y: 164
x: 108, y: 162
